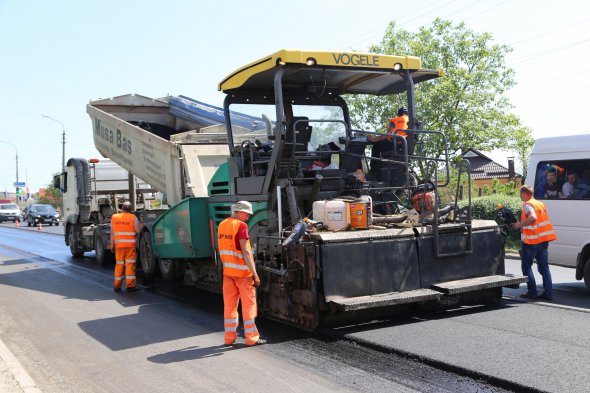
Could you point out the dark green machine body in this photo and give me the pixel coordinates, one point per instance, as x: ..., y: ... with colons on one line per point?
x: 185, y: 236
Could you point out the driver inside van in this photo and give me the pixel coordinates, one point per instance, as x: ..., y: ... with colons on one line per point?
x: 553, y: 190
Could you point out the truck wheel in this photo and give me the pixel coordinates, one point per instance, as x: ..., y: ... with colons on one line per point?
x: 168, y: 269
x: 147, y: 258
x: 102, y: 254
x: 587, y: 273
x: 74, y: 247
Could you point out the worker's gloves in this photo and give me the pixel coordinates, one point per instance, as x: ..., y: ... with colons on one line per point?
x: 256, y: 281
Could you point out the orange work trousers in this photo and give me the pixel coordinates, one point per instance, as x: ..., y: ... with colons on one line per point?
x: 237, y: 289
x: 125, y: 257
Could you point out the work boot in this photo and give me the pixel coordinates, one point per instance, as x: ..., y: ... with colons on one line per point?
x: 260, y: 341
x: 118, y: 290
x: 132, y: 289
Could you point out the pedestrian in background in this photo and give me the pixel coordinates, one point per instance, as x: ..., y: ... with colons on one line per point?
x: 124, y: 229
x: 240, y: 279
x: 537, y: 232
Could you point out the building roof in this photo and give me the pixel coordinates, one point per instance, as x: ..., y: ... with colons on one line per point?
x: 483, y: 167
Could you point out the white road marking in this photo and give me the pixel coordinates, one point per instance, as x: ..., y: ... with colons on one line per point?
x: 21, y: 376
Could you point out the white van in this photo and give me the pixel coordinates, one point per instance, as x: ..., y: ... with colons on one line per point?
x: 559, y: 171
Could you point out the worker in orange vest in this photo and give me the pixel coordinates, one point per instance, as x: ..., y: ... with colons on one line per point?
x: 537, y: 232
x: 240, y: 279
x: 124, y: 229
x: 385, y: 143
x: 398, y: 124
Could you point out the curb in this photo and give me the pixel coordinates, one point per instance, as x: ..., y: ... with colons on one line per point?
x: 22, y: 378
x: 34, y: 231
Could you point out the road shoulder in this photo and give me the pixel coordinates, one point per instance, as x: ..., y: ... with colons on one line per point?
x: 13, y: 376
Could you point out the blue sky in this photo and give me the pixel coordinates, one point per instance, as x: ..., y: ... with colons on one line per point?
x: 59, y: 55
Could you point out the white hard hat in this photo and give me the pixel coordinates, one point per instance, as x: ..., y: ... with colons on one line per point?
x: 242, y: 206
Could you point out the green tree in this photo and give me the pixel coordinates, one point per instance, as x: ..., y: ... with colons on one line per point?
x: 468, y: 103
x: 52, y: 195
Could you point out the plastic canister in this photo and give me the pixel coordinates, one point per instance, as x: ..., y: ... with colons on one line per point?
x: 361, y: 212
x: 319, y: 211
x: 337, y: 215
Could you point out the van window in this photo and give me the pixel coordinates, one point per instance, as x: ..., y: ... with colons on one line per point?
x: 563, y: 179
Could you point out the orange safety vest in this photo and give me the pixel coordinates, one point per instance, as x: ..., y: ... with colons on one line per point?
x: 232, y: 258
x: 397, y: 124
x: 123, y: 227
x: 539, y: 231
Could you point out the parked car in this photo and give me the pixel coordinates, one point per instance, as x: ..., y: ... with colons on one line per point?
x: 42, y: 214
x: 9, y: 212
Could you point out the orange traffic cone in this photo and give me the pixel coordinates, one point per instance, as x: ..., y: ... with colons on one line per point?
x: 39, y: 227
x: 17, y: 223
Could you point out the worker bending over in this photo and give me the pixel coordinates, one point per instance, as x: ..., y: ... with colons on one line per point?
x: 239, y: 274
x: 124, y: 229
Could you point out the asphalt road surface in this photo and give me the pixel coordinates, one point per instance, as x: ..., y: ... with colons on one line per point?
x: 61, y: 319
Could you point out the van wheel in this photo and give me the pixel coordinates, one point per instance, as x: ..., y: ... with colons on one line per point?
x: 587, y: 273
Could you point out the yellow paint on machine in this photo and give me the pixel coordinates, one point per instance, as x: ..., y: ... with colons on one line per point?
x: 318, y: 58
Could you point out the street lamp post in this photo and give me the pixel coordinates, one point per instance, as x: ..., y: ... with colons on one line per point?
x: 63, y: 136
x: 5, y: 190
x: 16, y: 149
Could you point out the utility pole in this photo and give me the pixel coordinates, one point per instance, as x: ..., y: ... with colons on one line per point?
x: 16, y: 149
x: 63, y: 141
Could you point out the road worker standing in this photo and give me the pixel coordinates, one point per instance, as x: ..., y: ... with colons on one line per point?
x: 239, y: 274
x: 537, y: 232
x: 124, y: 229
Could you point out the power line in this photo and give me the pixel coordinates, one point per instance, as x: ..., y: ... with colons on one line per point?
x: 452, y: 13
x: 549, y: 32
x: 585, y: 87
x: 546, y: 52
x: 486, y: 10
x: 553, y: 79
x: 426, y: 13
x: 371, y: 33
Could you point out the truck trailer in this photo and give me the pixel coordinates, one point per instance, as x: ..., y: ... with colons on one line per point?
x: 287, y: 145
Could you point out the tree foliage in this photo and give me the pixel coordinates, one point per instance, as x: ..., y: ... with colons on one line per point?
x: 52, y: 195
x: 468, y: 103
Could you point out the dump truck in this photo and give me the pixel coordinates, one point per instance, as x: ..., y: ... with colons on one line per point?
x: 332, y: 242
x: 93, y: 190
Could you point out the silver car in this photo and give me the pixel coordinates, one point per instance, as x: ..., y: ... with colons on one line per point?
x: 9, y: 212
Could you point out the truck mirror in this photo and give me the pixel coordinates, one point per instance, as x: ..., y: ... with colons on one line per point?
x: 57, y: 181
